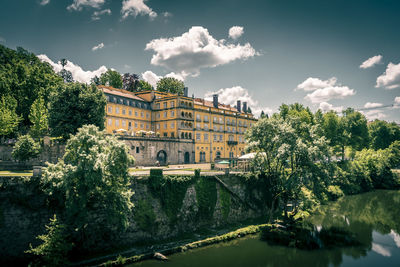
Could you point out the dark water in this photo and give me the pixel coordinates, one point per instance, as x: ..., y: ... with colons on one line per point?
x: 373, y: 217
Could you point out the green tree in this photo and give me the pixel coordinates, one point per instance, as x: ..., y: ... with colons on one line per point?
x: 93, y: 176
x: 130, y: 82
x: 39, y: 117
x: 355, y: 124
x: 24, y: 77
x: 74, y: 105
x: 170, y: 85
x: 25, y: 148
x: 383, y: 133
x: 144, y: 86
x: 112, y: 78
x: 288, y: 160
x: 9, y: 119
x: 54, y: 248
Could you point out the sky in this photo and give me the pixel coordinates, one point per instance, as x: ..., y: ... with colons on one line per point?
x: 324, y: 54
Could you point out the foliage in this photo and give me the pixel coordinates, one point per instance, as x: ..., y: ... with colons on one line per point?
x: 170, y: 85
x: 383, y: 134
x: 144, y: 216
x: 144, y: 86
x: 9, y: 119
x: 25, y: 148
x: 130, y: 82
x: 55, y: 247
x: 39, y: 118
x: 24, y: 77
x: 74, y: 105
x: 66, y: 75
x: 206, y: 196
x: 334, y: 192
x: 111, y: 78
x: 93, y: 177
x: 225, y: 200
x: 355, y: 126
x: 197, y: 172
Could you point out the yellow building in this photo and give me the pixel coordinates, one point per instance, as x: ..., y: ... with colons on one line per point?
x: 216, y: 130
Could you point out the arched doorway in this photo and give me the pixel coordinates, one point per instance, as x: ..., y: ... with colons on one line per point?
x: 162, y: 157
x: 187, y: 158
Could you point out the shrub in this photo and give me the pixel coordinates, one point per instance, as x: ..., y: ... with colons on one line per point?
x: 25, y: 148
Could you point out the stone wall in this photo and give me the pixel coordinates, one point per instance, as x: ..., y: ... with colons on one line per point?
x: 146, y: 151
x: 24, y: 213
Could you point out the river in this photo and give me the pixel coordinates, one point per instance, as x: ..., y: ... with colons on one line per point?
x: 373, y: 217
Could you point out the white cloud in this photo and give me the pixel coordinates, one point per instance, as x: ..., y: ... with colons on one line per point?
x: 96, y: 47
x: 372, y: 105
x: 153, y: 78
x: 235, y: 32
x: 391, y: 78
x: 79, y: 4
x: 374, y: 114
x: 371, y: 62
x: 167, y: 14
x: 325, y: 107
x: 196, y: 49
x: 44, y: 2
x: 381, y: 250
x: 96, y: 15
x: 397, y: 100
x: 323, y: 91
x: 231, y: 95
x: 136, y: 7
x: 77, y: 72
x: 312, y: 84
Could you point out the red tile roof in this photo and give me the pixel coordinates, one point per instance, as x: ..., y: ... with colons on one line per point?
x: 119, y: 92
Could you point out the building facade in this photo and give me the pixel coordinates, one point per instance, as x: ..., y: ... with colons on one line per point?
x: 215, y: 131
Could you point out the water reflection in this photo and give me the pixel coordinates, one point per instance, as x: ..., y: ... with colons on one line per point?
x: 373, y: 217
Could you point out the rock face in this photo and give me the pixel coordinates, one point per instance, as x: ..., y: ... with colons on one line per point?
x: 24, y: 213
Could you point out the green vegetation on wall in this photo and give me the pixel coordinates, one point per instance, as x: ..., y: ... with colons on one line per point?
x: 206, y: 195
x: 225, y: 200
x: 144, y: 216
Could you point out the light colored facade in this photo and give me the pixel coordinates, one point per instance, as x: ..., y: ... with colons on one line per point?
x: 215, y: 130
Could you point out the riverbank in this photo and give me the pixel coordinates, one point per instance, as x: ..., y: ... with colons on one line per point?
x: 173, y: 247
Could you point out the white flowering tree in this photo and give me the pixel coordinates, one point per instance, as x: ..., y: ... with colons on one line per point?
x: 93, y: 179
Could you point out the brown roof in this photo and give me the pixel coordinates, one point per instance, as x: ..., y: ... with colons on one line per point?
x: 120, y: 92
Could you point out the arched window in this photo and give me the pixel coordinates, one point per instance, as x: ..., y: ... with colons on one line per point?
x: 218, y: 155
x: 186, y: 135
x: 182, y: 135
x: 190, y: 135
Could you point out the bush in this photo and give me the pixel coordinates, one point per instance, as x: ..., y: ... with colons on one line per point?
x: 25, y: 148
x: 206, y: 195
x: 197, y: 172
x: 144, y: 216
x: 334, y: 192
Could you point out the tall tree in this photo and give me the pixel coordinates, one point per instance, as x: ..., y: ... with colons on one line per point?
x: 355, y: 124
x: 39, y: 118
x: 144, y: 86
x: 170, y: 85
x: 9, y: 119
x: 111, y: 78
x: 130, y: 82
x: 74, y: 105
x: 383, y: 134
x: 65, y: 74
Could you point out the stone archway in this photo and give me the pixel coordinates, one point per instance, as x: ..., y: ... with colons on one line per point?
x: 162, y: 157
x: 186, y: 158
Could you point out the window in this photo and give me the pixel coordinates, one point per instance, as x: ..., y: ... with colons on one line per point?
x: 135, y: 124
x: 130, y: 112
x: 198, y: 136
x: 172, y: 125
x: 206, y: 118
x: 158, y: 106
x: 165, y: 125
x: 130, y: 125
x: 205, y: 137
x: 202, y: 156
x: 172, y: 112
x: 233, y: 129
x: 173, y: 135
x: 147, y: 126
x: 218, y: 155
x: 136, y: 114
x: 117, y: 122
x: 165, y: 114
x: 117, y: 110
x: 123, y: 123
x: 206, y: 127
x: 198, y: 126
x: 165, y: 134
x: 215, y: 137
x: 198, y: 117
x: 141, y: 114
x: 141, y: 125
x: 147, y: 115
x: 221, y: 121
x: 109, y: 109
x: 123, y: 111
x: 158, y: 115
x: 109, y: 121
x: 215, y: 128
x: 137, y: 149
x: 165, y: 104
x: 221, y: 128
x: 172, y: 104
x: 157, y: 126
x: 220, y: 138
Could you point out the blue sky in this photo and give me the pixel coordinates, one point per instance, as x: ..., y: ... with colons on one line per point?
x: 279, y: 52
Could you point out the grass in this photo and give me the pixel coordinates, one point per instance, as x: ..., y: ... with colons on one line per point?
x: 16, y: 173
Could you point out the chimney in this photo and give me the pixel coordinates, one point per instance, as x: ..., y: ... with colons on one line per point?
x: 238, y: 106
x: 185, y: 91
x: 245, y: 107
x: 215, y: 101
